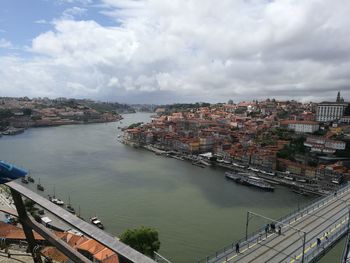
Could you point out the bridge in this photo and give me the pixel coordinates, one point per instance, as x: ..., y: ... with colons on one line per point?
x: 305, y: 235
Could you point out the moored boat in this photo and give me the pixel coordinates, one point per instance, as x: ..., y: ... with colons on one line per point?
x: 24, y: 180
x: 249, y: 180
x: 96, y: 222
x: 69, y: 207
x: 30, y: 179
x: 233, y: 176
x: 55, y: 200
x: 39, y: 186
x: 258, y: 182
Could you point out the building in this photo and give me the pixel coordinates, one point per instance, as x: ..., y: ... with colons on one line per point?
x: 323, y: 145
x: 301, y: 126
x: 331, y: 111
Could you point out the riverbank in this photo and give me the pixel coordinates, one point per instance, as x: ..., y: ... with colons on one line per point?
x: 11, y: 131
x: 298, y: 186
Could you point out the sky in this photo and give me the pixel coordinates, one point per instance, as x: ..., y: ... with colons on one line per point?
x: 166, y: 51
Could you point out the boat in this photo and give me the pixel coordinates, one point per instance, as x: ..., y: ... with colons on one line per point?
x: 24, y: 180
x: 205, y: 163
x: 178, y: 157
x: 9, y: 172
x: 55, y: 200
x: 300, y: 192
x: 196, y: 163
x: 301, y: 180
x: 39, y: 186
x: 30, y: 179
x: 249, y: 180
x: 233, y: 176
x: 253, y: 169
x: 289, y: 178
x: 258, y: 182
x: 79, y: 215
x: 237, y: 165
x: 69, y: 207
x: 96, y: 222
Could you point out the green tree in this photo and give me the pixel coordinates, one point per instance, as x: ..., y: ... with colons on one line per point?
x: 143, y: 239
x: 30, y: 207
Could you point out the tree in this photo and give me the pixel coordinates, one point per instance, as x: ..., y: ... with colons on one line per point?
x: 143, y: 239
x: 30, y: 207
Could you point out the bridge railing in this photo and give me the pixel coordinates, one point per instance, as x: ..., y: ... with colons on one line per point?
x: 334, y: 233
x: 256, y: 236
x: 315, y: 253
x: 314, y: 204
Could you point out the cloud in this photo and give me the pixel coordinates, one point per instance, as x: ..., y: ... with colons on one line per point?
x: 189, y: 51
x: 41, y: 21
x: 82, y: 2
x: 5, y: 43
x: 73, y: 12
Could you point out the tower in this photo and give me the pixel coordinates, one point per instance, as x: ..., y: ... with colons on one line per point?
x: 338, y: 97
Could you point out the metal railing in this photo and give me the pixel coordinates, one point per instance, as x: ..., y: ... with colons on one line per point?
x: 310, y: 253
x: 314, y: 254
x: 256, y: 236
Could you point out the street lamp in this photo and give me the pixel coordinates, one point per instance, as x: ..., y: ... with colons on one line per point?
x: 347, y: 244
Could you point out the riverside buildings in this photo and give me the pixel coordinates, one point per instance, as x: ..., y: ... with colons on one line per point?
x: 275, y: 136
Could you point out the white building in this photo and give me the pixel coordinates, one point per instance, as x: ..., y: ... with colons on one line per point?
x: 330, y: 111
x: 301, y: 126
x: 322, y: 144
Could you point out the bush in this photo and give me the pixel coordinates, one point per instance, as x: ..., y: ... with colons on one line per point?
x: 143, y: 239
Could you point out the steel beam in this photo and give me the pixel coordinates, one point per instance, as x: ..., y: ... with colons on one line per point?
x: 23, y: 219
x: 92, y: 231
x: 57, y: 242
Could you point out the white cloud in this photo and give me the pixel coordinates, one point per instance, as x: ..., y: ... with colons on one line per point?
x: 41, y: 21
x: 73, y: 12
x: 5, y: 43
x: 189, y: 50
x: 82, y: 2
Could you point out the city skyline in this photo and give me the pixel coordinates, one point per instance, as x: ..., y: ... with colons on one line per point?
x: 157, y: 52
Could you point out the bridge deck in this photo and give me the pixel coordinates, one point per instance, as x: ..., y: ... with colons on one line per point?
x: 327, y: 219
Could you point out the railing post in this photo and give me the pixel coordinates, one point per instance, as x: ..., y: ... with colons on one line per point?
x: 246, y: 227
x: 304, y: 240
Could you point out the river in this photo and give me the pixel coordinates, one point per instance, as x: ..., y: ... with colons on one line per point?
x: 195, y: 210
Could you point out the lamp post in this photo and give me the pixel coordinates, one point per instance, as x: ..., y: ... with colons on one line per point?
x: 347, y: 244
